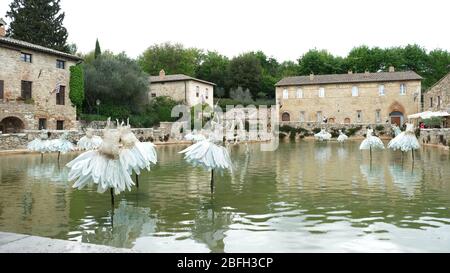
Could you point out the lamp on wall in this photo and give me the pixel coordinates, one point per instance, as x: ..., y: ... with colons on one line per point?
x: 98, y: 106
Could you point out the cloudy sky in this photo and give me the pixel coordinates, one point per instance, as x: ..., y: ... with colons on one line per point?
x: 284, y: 29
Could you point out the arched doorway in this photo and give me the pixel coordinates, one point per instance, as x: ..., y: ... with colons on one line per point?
x: 285, y: 117
x: 396, y: 117
x: 347, y: 120
x: 10, y: 125
x: 331, y: 120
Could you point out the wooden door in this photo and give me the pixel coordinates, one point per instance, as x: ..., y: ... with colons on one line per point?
x: 395, y: 120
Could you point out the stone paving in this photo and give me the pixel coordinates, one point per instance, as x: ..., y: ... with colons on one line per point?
x: 20, y: 243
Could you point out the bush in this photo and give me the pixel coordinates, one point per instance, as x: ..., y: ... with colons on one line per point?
x: 76, y: 93
x: 316, y: 130
x: 379, y: 128
x: 352, y: 131
x: 434, y: 122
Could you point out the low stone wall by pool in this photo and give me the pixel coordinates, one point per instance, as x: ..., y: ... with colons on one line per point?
x: 359, y: 129
x: 435, y: 136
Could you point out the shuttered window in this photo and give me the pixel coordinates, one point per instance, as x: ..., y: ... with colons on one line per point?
x: 60, y: 96
x: 1, y: 89
x: 26, y: 90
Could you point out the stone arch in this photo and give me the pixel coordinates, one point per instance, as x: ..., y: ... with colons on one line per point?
x: 331, y: 120
x: 396, y: 113
x: 396, y: 107
x: 11, y: 124
x: 347, y: 120
x: 286, y: 116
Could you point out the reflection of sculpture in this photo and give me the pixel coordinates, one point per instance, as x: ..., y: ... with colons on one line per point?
x: 406, y: 180
x: 373, y: 174
x: 322, y: 153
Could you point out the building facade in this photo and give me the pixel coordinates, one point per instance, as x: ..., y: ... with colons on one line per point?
x: 183, y: 88
x: 353, y: 98
x: 34, y: 87
x: 437, y: 98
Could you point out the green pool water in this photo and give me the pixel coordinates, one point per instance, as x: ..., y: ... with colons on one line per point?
x: 304, y: 197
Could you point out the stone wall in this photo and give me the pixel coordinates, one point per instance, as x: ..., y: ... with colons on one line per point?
x: 439, y: 91
x: 183, y: 91
x: 311, y: 126
x: 44, y: 75
x: 435, y: 136
x: 20, y: 140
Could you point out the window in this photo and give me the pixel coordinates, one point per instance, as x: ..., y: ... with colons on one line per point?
x: 302, y: 116
x: 355, y: 91
x: 197, y: 91
x: 42, y: 123
x: 285, y: 117
x: 402, y: 89
x: 1, y: 89
x: 439, y: 101
x: 25, y: 57
x: 60, y: 95
x: 319, y: 116
x: 285, y: 94
x: 26, y: 90
x: 378, y: 116
x: 321, y: 92
x: 299, y: 93
x: 381, y: 90
x: 153, y: 95
x: 431, y: 102
x: 60, y: 64
x: 60, y: 125
x: 358, y: 116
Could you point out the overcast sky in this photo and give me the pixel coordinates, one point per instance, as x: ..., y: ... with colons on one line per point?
x: 281, y: 28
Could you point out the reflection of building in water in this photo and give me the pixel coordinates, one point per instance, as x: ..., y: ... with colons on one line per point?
x: 32, y: 205
x: 51, y: 172
x: 405, y: 179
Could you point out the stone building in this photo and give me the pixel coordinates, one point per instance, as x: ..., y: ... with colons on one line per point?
x: 34, y: 86
x: 183, y: 88
x: 356, y: 98
x: 437, y: 98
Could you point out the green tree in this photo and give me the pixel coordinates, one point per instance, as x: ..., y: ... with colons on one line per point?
x: 213, y: 68
x: 319, y: 62
x: 118, y: 82
x: 97, y: 51
x: 76, y: 83
x: 39, y: 22
x: 245, y: 71
x: 438, y: 67
x: 173, y: 58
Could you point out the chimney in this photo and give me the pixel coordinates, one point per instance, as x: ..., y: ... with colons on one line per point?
x: 162, y: 73
x: 350, y: 72
x: 2, y: 28
x: 311, y: 76
x: 391, y: 68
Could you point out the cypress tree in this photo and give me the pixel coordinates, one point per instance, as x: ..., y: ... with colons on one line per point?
x: 39, y: 22
x: 98, y: 51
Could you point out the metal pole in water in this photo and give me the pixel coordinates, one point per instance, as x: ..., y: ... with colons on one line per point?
x: 112, y: 197
x: 59, y: 154
x: 212, y: 181
x: 137, y: 181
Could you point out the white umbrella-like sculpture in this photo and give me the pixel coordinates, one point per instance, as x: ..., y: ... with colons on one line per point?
x: 89, y: 141
x: 102, y: 167
x: 405, y: 141
x: 40, y: 144
x: 135, y: 155
x: 371, y: 142
x: 61, y: 145
x: 208, y: 154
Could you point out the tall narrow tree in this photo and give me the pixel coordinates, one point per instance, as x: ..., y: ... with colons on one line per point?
x: 97, y: 51
x: 39, y: 22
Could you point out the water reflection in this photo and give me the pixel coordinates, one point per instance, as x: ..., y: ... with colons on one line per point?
x: 303, y: 197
